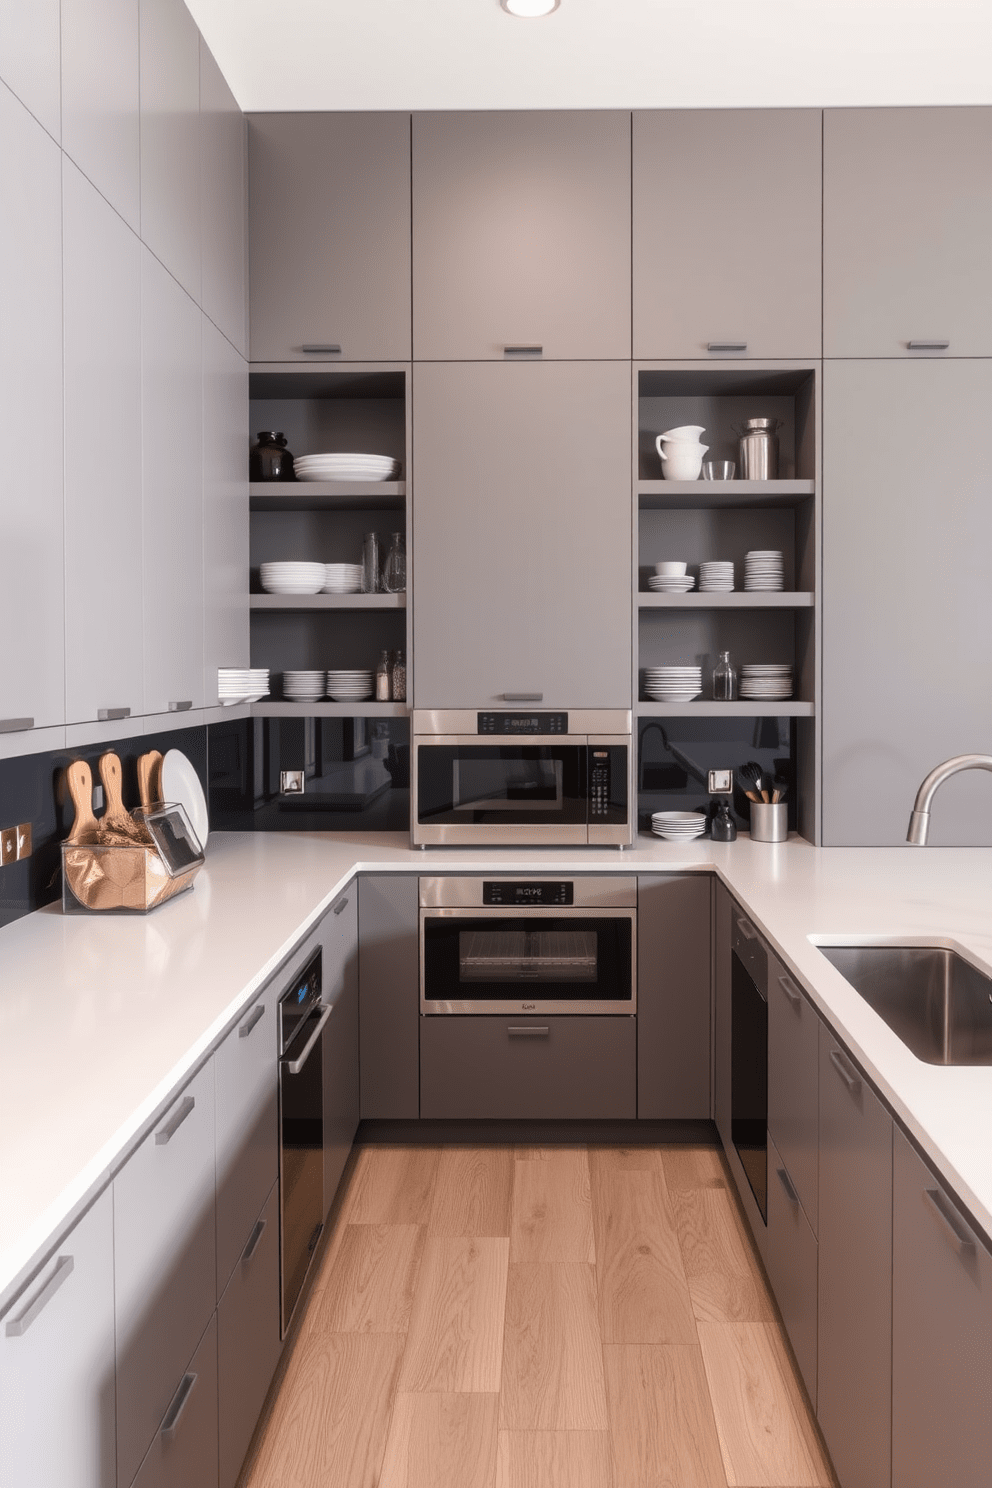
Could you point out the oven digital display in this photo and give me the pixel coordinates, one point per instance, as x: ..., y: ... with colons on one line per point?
x: 523, y: 723
x: 509, y: 891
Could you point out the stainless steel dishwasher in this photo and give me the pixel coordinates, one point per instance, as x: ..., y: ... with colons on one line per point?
x: 302, y: 1017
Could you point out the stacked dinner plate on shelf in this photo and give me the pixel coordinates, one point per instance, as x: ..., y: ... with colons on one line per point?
x: 764, y: 569
x: 716, y: 577
x: 766, y: 680
x: 303, y: 687
x: 242, y: 684
x: 671, y: 583
x: 346, y: 467
x: 342, y: 578
x: 292, y: 578
x: 349, y: 686
x: 673, y: 684
x: 678, y: 826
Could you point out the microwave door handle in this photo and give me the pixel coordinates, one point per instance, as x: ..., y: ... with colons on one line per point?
x: 293, y: 1066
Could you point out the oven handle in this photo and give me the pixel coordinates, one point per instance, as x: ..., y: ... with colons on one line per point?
x: 293, y: 1066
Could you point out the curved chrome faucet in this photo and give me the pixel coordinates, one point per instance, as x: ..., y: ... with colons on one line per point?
x: 919, y: 821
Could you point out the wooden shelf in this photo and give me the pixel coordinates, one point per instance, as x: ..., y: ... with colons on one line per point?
x: 327, y: 601
x: 702, y: 709
x: 326, y: 495
x: 276, y: 708
x: 743, y: 599
x: 657, y: 495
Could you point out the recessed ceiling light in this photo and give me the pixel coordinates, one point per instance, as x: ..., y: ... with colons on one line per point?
x: 529, y: 8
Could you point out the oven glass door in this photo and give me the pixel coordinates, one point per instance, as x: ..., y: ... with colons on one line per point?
x: 502, y: 784
x: 749, y: 1080
x: 474, y: 962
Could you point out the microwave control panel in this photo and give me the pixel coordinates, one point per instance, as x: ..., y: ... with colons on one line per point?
x: 599, y: 782
x: 509, y: 891
x: 523, y: 723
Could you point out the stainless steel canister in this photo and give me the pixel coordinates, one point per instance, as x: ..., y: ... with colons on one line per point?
x: 758, y: 443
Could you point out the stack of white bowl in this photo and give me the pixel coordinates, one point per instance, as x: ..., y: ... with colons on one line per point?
x: 766, y: 680
x: 673, y: 684
x: 303, y: 687
x: 670, y: 578
x: 716, y: 577
x: 292, y: 578
x: 345, y: 467
x: 242, y: 684
x: 349, y: 686
x: 764, y: 568
x: 342, y: 578
x: 681, y: 453
x: 678, y: 826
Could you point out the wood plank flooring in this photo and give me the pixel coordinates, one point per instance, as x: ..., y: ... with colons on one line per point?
x: 568, y: 1317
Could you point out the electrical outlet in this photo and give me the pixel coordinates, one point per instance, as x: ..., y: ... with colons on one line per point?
x: 291, y: 782
x: 721, y: 782
x: 23, y: 841
x: 8, y: 845
x: 98, y: 798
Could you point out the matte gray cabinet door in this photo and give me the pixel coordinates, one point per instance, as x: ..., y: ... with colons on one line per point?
x: 247, y: 1128
x: 791, y: 1262
x: 941, y: 1334
x: 183, y: 1453
x: 100, y: 104
x: 102, y: 286
x: 165, y: 1265
x: 248, y: 1343
x: 389, y: 980
x: 907, y: 230
x: 170, y: 139
x: 521, y: 234
x: 723, y: 908
x: 172, y: 491
x: 793, y: 1083
x: 224, y: 204
x: 225, y: 509
x: 29, y: 57
x: 329, y: 236
x: 727, y: 230
x: 340, y: 991
x: 673, y: 997
x: 32, y: 657
x: 854, y: 1354
x: 57, y: 1365
x: 522, y: 533
x: 907, y: 606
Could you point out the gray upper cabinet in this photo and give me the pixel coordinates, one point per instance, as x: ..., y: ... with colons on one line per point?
x: 727, y: 228
x: 170, y: 139
x: 907, y: 606
x: 673, y: 997
x: 100, y: 108
x: 32, y: 668
x: 329, y: 237
x: 521, y: 234
x: 29, y: 56
x: 102, y: 287
x: 907, y: 231
x: 522, y: 534
x: 225, y: 508
x: 224, y: 204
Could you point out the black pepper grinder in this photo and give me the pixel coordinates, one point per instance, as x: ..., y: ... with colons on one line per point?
x: 722, y: 827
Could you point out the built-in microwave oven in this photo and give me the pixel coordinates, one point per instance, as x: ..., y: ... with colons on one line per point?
x: 522, y: 778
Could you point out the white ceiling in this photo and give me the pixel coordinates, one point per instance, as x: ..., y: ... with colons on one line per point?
x: 469, y: 54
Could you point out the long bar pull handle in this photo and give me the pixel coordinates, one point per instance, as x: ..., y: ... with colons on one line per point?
x: 295, y: 1065
x: 928, y: 345
x: 20, y: 1324
x: 341, y: 906
x: 165, y: 1133
x: 181, y: 707
x: 531, y: 1031
x: 523, y: 351
x: 846, y: 1071
x: 726, y: 346
x: 746, y: 928
x: 108, y: 715
x: 321, y: 348
x: 954, y: 1230
x: 253, y: 1240
x: 523, y: 697
x: 179, y: 1403
x: 787, y: 1184
x: 791, y: 991
x: 252, y: 1021
x: 15, y: 725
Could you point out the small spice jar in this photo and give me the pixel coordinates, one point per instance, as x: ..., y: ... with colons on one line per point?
x: 398, y: 677
x: 269, y: 459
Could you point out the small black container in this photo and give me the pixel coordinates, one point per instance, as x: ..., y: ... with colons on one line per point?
x: 269, y: 459
x: 722, y: 827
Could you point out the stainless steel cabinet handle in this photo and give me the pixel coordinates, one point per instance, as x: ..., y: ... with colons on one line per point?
x: 529, y: 1032
x: 726, y: 346
x: 746, y: 928
x: 107, y: 715
x: 252, y: 1021
x: 295, y: 1065
x: 928, y: 345
x: 791, y: 991
x: 523, y: 697
x: 322, y: 348
x: 179, y: 1402
x: 166, y: 1133
x: 182, y: 707
x: 846, y: 1071
x: 523, y: 351
x: 341, y: 906
x: 786, y: 1182
x: 954, y: 1230
x: 15, y: 725
x: 22, y: 1322
x: 253, y: 1240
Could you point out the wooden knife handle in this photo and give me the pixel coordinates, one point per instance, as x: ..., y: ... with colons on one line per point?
x: 79, y: 779
x: 145, y: 773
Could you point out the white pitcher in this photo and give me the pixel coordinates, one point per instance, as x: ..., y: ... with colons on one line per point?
x: 680, y: 460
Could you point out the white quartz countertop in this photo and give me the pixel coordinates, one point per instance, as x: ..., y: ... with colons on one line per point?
x: 103, y: 1017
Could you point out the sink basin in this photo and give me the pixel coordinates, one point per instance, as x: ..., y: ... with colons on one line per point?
x: 935, y: 1000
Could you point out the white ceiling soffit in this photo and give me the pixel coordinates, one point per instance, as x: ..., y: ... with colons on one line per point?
x: 469, y: 54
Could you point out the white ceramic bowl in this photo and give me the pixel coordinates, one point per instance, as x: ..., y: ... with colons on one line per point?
x: 671, y: 569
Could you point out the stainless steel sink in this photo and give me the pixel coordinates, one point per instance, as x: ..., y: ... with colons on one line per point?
x: 937, y: 1003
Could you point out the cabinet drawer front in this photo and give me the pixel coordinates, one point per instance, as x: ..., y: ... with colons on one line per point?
x: 248, y: 1344
x: 527, y: 1068
x: 165, y: 1264
x: 57, y: 1364
x: 793, y: 1082
x: 247, y: 1127
x: 183, y: 1453
x: 791, y: 1259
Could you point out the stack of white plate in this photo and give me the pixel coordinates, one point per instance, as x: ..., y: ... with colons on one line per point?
x: 764, y: 569
x: 345, y: 686
x: 768, y: 680
x: 292, y: 578
x: 716, y: 577
x: 671, y: 583
x: 303, y: 687
x: 242, y: 684
x: 345, y: 467
x: 342, y: 578
x: 678, y: 826
x: 673, y: 684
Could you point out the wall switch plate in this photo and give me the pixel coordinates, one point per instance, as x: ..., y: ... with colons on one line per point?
x: 8, y: 845
x: 721, y: 783
x: 98, y: 798
x: 23, y: 840
x: 291, y: 782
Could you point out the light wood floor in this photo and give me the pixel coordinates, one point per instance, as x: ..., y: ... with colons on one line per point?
x: 571, y: 1317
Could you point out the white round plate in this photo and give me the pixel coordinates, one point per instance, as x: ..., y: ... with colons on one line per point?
x: 181, y: 783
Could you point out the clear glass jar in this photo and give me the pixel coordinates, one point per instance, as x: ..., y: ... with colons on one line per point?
x: 394, y: 572
x: 383, y: 677
x: 724, y: 680
x: 371, y: 574
x: 399, y: 677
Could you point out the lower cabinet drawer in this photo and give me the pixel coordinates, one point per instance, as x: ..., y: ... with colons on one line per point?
x: 791, y: 1259
x: 570, y: 1068
x: 183, y: 1453
x: 248, y: 1339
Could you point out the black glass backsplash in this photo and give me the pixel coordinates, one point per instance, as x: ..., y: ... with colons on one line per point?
x: 675, y: 755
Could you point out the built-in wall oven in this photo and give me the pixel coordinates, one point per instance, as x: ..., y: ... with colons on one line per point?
x: 302, y: 1017
x: 539, y: 945
x: 519, y: 778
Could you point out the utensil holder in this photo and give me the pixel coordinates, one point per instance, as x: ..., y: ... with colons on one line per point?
x: 99, y: 876
x: 769, y: 823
